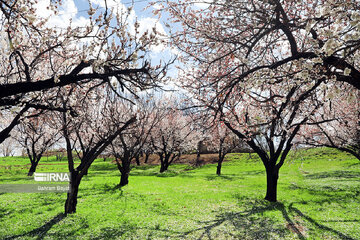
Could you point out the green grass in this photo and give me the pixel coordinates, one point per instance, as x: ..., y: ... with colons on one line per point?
x: 318, y: 199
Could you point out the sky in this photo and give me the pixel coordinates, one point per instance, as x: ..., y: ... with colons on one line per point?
x: 76, y: 12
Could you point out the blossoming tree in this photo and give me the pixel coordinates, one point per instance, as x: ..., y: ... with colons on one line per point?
x: 173, y: 135
x: 259, y: 66
x: 131, y: 142
x: 36, y: 136
x: 337, y: 123
x: 39, y: 55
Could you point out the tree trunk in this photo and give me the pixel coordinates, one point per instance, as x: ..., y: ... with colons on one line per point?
x: 272, y: 175
x: 137, y: 159
x: 125, y: 170
x: 163, y: 167
x: 197, y: 161
x: 32, y: 168
x: 220, y: 160
x: 198, y: 152
x: 71, y: 201
x: 164, y: 162
x: 218, y: 168
x: 124, y: 179
x: 147, y: 157
x: 85, y: 171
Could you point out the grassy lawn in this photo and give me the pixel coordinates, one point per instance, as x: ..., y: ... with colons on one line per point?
x: 318, y: 192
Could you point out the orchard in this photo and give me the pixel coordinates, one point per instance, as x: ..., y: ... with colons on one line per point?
x: 190, y: 85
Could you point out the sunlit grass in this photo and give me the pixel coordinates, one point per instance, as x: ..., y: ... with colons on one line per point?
x: 318, y: 199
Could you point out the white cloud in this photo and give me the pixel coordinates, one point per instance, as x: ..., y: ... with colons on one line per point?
x: 201, y: 4
x: 110, y: 3
x: 157, y: 6
x: 118, y: 7
x: 67, y: 12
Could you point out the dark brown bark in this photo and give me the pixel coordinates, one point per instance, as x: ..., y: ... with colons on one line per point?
x: 197, y: 161
x: 5, y: 133
x: 137, y: 159
x: 78, y: 173
x: 166, y: 159
x: 222, y: 154
x: 147, y: 155
x: 71, y: 201
x: 12, y: 89
x: 124, y: 179
x: 124, y: 169
x: 220, y: 161
x: 272, y: 176
x: 163, y: 167
x: 218, y: 168
x: 32, y: 168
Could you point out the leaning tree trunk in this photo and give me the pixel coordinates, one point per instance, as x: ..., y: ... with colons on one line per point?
x: 71, y: 201
x: 85, y: 172
x: 32, y: 169
x: 272, y: 175
x: 34, y: 163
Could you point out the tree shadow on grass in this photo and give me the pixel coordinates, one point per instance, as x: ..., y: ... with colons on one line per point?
x: 253, y: 224
x: 329, y: 193
x: 229, y: 177
x: 115, y: 232
x: 103, y: 167
x: 40, y: 232
x: 338, y: 234
x: 253, y: 172
x: 4, y: 212
x: 248, y: 224
x: 334, y: 174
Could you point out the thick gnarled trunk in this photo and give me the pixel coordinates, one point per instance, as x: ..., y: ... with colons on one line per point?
x: 124, y: 169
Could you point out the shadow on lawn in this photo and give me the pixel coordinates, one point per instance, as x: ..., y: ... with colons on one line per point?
x: 114, y: 232
x: 338, y: 234
x: 4, y: 212
x: 40, y: 232
x: 334, y: 174
x: 252, y: 224
x: 229, y: 177
x: 248, y: 224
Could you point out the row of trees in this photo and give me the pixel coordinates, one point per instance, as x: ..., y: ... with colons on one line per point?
x: 272, y: 73
x: 62, y: 74
x: 271, y: 70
